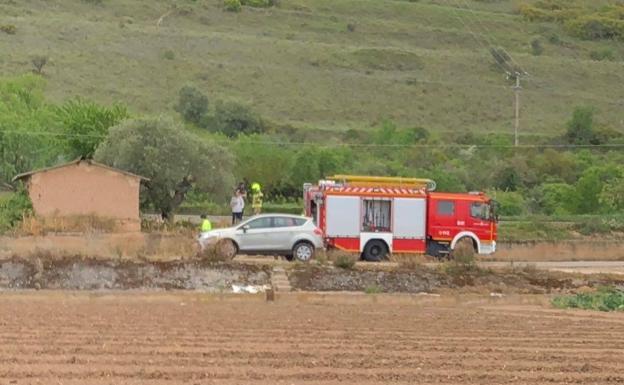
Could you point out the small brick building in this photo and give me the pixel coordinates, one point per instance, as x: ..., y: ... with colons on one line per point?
x: 85, y: 187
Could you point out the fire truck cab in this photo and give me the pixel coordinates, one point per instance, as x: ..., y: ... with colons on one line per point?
x: 377, y: 216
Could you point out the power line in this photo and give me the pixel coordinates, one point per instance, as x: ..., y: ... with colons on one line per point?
x: 360, y: 145
x: 488, y: 32
x: 474, y: 35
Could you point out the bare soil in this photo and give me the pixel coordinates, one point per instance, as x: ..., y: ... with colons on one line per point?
x: 70, y: 338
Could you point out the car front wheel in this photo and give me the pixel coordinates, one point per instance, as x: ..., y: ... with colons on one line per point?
x: 303, y: 251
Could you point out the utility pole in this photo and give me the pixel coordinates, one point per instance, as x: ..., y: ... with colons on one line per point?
x: 517, y: 89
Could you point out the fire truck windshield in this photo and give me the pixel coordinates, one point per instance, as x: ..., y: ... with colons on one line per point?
x: 481, y: 210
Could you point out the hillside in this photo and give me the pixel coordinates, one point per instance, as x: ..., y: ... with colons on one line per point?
x: 329, y: 64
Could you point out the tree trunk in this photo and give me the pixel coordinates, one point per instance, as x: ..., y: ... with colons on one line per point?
x: 181, y: 190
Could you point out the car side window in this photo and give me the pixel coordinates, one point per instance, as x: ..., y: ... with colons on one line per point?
x: 260, y: 223
x: 446, y: 208
x: 300, y: 221
x: 283, y: 222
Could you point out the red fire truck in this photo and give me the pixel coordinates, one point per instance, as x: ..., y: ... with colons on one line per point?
x: 376, y: 216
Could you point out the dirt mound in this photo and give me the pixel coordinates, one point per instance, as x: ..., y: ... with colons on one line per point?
x: 449, y: 276
x: 92, y: 274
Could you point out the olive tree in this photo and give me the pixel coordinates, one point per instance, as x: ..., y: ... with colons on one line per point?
x: 173, y: 159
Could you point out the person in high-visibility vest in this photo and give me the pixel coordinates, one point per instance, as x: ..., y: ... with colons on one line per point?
x: 256, y: 198
x: 205, y: 225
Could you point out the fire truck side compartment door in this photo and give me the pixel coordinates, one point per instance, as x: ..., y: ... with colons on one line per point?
x: 410, y: 217
x: 343, y: 216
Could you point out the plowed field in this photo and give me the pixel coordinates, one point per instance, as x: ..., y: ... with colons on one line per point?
x: 66, y: 338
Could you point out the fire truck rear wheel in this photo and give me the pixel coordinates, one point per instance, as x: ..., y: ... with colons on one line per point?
x: 375, y: 251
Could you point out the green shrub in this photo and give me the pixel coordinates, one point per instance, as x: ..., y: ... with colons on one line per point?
x: 233, y: 118
x: 169, y: 54
x: 593, y: 227
x: 373, y: 289
x: 13, y: 208
x: 346, y: 262
x: 9, y: 29
x: 192, y: 104
x: 612, y: 195
x: 581, y: 19
x: 581, y: 126
x: 555, y: 39
x: 605, y: 299
x: 557, y: 198
x: 86, y: 124
x: 509, y: 202
x: 596, y: 27
x: 38, y: 62
x: 232, y: 5
x: 257, y: 3
x: 536, y: 47
x: 602, y: 54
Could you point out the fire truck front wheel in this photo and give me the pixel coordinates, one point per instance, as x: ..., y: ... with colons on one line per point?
x: 375, y: 251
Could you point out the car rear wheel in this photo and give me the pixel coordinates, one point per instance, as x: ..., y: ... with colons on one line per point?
x: 375, y: 251
x: 303, y: 251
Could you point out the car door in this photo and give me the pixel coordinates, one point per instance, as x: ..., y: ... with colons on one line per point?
x: 442, y: 219
x: 254, y: 235
x: 284, y: 229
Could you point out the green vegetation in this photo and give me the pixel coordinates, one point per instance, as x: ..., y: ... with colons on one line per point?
x: 346, y: 262
x: 8, y: 29
x: 316, y: 87
x: 86, y: 124
x: 373, y: 289
x: 13, y: 207
x: 585, y: 19
x: 605, y: 299
x: 417, y: 64
x: 232, y: 5
x: 174, y: 161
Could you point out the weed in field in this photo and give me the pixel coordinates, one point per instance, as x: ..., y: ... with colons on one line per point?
x: 169, y: 54
x: 232, y: 5
x: 605, y: 299
x: 321, y: 258
x: 90, y: 223
x: 593, y: 226
x: 346, y: 262
x: 373, y: 289
x: 38, y: 62
x: 602, y: 54
x: 408, y: 262
x: 8, y: 29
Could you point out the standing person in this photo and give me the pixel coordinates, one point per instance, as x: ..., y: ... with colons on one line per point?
x: 242, y: 191
x: 256, y: 198
x: 205, y: 224
x: 237, y: 203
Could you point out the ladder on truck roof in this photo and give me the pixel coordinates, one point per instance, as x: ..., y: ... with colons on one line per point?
x: 383, y: 181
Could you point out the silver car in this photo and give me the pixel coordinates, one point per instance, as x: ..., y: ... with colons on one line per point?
x: 275, y: 234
